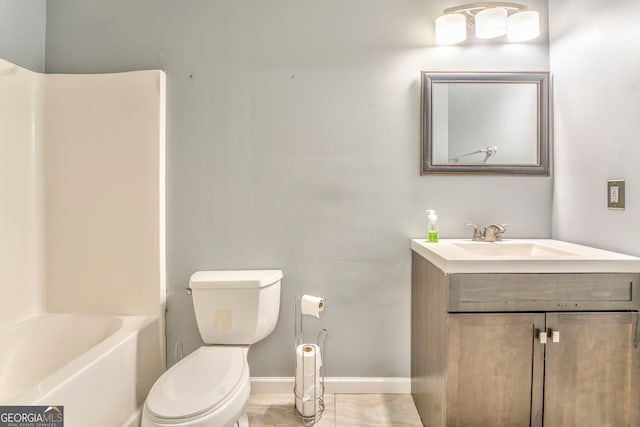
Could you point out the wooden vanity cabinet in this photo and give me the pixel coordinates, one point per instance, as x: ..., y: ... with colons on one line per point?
x: 474, y: 365
x: 493, y: 369
x: 589, y: 373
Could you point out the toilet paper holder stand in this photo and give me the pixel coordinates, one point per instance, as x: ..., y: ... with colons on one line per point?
x: 318, y: 392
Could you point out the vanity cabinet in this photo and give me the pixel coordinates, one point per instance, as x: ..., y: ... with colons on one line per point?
x: 478, y: 359
x: 492, y: 370
x: 589, y: 373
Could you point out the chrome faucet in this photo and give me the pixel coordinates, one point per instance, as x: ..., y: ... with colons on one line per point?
x: 490, y: 233
x: 493, y: 232
x: 477, y: 235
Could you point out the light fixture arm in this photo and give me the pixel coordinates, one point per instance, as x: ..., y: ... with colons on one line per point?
x: 470, y: 10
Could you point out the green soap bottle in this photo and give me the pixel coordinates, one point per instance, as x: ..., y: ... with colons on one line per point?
x: 432, y: 226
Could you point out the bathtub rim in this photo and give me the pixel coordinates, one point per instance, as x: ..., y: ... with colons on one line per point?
x: 131, y: 326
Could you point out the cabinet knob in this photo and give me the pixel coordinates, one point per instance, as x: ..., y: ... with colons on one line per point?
x: 555, y: 336
x: 542, y: 337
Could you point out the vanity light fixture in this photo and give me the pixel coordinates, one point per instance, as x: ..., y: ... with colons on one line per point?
x: 491, y: 20
x: 491, y: 23
x: 451, y: 29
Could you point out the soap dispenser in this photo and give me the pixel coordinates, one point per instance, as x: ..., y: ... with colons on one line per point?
x: 432, y: 226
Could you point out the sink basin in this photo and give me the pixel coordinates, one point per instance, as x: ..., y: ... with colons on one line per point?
x: 513, y: 250
x: 522, y: 256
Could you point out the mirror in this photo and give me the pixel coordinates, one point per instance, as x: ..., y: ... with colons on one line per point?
x: 485, y: 123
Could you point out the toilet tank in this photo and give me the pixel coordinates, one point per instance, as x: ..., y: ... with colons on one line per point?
x: 236, y: 306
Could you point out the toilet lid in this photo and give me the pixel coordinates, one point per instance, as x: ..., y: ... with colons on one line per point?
x: 197, y: 383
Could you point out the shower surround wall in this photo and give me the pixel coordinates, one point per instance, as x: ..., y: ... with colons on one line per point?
x: 21, y: 273
x: 81, y: 193
x: 104, y: 193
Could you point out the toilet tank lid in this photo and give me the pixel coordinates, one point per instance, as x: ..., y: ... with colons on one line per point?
x: 234, y: 279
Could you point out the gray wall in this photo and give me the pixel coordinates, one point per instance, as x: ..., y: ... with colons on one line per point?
x: 597, y: 126
x: 22, y: 31
x: 293, y: 143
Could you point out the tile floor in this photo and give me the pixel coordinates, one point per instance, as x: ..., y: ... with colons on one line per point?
x: 341, y: 410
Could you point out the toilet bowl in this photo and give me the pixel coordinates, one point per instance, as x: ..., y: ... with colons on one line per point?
x: 210, y: 387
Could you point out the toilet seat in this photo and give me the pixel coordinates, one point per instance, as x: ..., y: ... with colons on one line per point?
x: 198, y: 384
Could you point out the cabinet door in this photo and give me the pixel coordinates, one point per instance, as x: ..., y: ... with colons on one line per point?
x: 588, y: 372
x: 494, y: 370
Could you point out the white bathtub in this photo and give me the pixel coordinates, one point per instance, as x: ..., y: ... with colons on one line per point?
x: 100, y: 368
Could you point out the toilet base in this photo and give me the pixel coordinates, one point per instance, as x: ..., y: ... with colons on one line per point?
x: 243, y: 421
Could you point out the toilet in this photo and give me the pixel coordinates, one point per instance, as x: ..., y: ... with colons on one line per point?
x: 210, y: 387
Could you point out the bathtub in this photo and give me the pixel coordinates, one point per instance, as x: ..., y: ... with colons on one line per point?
x: 100, y: 368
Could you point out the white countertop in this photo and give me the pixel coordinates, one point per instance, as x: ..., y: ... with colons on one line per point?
x: 522, y: 256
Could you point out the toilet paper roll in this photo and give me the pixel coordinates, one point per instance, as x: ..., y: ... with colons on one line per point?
x: 308, y: 407
x: 311, y: 306
x: 308, y: 359
x: 308, y: 385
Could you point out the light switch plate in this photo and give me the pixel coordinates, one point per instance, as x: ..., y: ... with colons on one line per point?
x: 615, y: 194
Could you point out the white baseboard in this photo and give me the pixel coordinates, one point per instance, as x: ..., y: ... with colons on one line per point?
x: 336, y: 385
